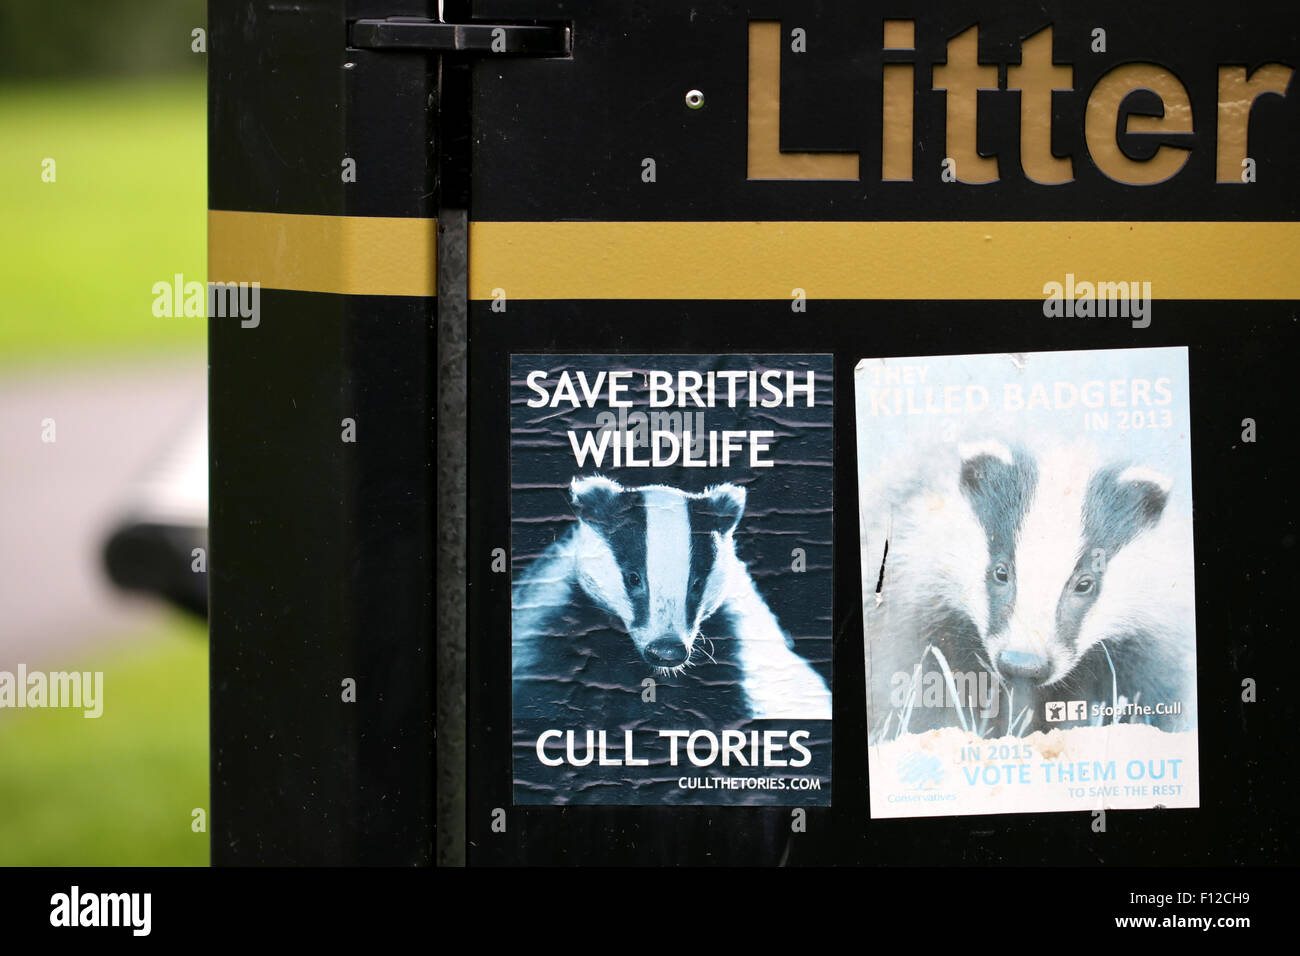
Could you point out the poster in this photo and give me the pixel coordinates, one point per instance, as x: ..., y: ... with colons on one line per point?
x: 671, y: 579
x: 1028, y: 581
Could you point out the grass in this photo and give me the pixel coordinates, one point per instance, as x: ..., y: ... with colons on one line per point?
x: 78, y: 260
x: 79, y: 256
x: 119, y: 790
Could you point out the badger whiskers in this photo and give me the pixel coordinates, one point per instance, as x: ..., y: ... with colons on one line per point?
x: 679, y: 669
x: 709, y: 652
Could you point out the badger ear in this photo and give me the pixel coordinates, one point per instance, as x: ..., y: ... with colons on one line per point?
x: 1145, y: 491
x: 997, y: 481
x: 983, y: 463
x: 595, y: 498
x: 719, y: 508
x: 979, y: 455
x: 1123, y: 501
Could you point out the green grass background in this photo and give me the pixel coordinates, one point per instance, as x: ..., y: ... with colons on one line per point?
x: 80, y: 255
x: 78, y: 259
x: 119, y: 790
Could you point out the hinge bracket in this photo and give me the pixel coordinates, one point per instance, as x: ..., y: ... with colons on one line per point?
x: 486, y: 39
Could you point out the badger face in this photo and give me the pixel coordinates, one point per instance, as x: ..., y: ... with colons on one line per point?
x: 1052, y: 527
x: 657, y: 558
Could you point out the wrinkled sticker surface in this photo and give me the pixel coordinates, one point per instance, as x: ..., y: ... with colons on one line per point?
x: 671, y: 578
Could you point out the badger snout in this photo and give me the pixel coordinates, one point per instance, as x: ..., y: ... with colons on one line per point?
x: 1023, y: 664
x: 668, y: 650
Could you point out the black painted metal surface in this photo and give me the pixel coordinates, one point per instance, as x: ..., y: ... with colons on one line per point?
x: 322, y: 562
x: 563, y: 140
x: 322, y: 565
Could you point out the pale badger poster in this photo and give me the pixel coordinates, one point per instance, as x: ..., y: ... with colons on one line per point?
x: 671, y: 591
x: 1027, y: 578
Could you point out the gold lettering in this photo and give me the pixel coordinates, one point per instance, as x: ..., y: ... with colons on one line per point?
x: 1101, y: 123
x: 897, y: 105
x: 765, y: 159
x: 1237, y: 95
x: 1037, y: 78
x: 963, y: 77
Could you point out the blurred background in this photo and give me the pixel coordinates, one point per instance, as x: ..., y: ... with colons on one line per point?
x: 113, y: 93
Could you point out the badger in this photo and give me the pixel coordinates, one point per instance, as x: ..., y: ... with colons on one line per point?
x: 647, y: 583
x: 1060, y: 576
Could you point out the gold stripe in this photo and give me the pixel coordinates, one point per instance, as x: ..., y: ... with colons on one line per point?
x: 878, y: 260
x: 348, y: 255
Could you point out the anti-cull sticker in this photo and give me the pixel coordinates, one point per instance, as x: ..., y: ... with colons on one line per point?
x: 1027, y: 580
x: 671, y: 558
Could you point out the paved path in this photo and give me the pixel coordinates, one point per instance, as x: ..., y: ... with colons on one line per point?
x: 58, y: 500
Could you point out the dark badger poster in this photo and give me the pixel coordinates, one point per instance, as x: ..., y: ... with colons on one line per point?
x: 671, y: 559
x: 1028, y: 581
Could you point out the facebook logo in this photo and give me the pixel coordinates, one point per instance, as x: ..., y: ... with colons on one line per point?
x: 1059, y: 710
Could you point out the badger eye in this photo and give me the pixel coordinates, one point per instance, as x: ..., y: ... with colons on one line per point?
x: 1083, y: 585
x: 633, y: 579
x: 1001, y: 574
